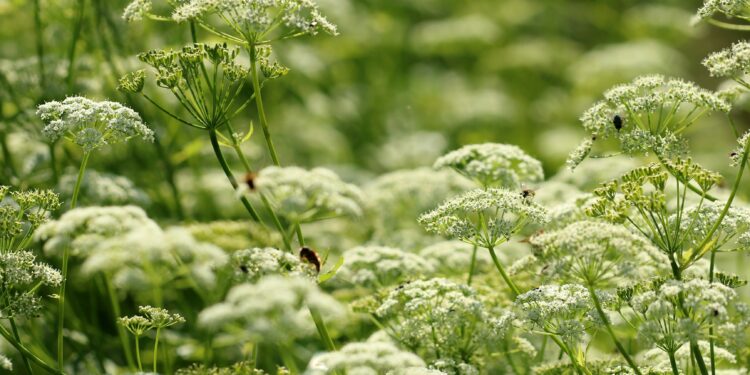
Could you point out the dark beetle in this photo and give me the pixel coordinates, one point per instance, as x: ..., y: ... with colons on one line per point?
x: 618, y: 122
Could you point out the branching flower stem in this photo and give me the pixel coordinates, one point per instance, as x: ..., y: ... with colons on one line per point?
x: 254, y: 73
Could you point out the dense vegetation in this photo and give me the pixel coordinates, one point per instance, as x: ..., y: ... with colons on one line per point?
x: 374, y: 187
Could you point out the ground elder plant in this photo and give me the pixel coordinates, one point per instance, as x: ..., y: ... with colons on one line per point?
x: 236, y: 187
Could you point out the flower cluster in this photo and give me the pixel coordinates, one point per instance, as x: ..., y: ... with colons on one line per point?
x: 303, y: 196
x: 562, y: 310
x: 91, y: 124
x: 493, y: 165
x: 597, y: 254
x: 730, y: 8
x: 441, y: 320
x: 675, y: 312
x: 364, y: 358
x: 273, y: 310
x: 734, y: 228
x: 136, y: 10
x: 258, y: 18
x: 150, y: 318
x: 20, y: 278
x: 650, y: 114
x: 208, y: 98
x: 22, y: 214
x: 733, y: 62
x: 379, y: 266
x: 483, y: 217
x: 250, y: 265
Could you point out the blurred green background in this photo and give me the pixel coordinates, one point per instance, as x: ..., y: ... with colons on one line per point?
x: 404, y: 82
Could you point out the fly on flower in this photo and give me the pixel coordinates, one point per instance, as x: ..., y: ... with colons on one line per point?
x: 617, y: 121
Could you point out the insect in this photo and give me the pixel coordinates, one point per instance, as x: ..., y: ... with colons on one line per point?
x: 243, y: 268
x: 309, y: 255
x: 618, y: 122
x: 250, y: 180
x: 528, y: 193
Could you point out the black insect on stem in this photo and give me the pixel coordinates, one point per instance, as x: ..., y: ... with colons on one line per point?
x: 309, y: 255
x: 617, y: 121
x: 250, y: 180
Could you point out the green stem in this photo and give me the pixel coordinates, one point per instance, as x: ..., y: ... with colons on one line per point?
x: 259, y: 103
x: 33, y: 357
x: 228, y: 172
x: 77, y: 26
x: 65, y: 260
x: 276, y: 222
x: 513, y: 288
x: 114, y: 301
x: 288, y: 359
x: 673, y: 363
x: 300, y: 237
x: 18, y: 338
x: 138, y: 352
x: 156, y: 348
x: 322, y: 329
x: 39, y: 43
x: 712, y: 353
x: 610, y: 331
x: 473, y: 265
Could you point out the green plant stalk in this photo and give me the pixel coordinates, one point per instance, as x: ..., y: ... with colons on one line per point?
x: 120, y: 329
x: 259, y: 103
x: 77, y: 27
x: 39, y: 43
x: 322, y: 329
x: 673, y: 363
x: 65, y: 260
x: 138, y: 352
x: 288, y: 360
x: 156, y: 349
x: 33, y: 357
x: 18, y: 338
x: 473, y: 265
x: 513, y: 288
x: 565, y: 349
x: 611, y: 332
x: 228, y: 172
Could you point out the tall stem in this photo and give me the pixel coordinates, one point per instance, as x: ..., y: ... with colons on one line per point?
x: 322, y: 329
x: 33, y: 357
x: 673, y: 363
x: 77, y: 26
x: 120, y: 329
x: 513, y: 288
x: 228, y: 172
x: 259, y: 103
x: 65, y: 260
x: 472, y: 265
x: 156, y: 348
x: 18, y: 338
x: 39, y: 44
x: 611, y: 332
x: 138, y: 353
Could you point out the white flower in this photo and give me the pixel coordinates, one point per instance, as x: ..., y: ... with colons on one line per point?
x: 557, y: 309
x: 251, y: 264
x: 380, y: 266
x: 273, y: 310
x: 494, y: 165
x: 483, y: 217
x: 91, y: 124
x: 731, y: 8
x: 5, y: 363
x: 20, y: 277
x: 302, y: 195
x: 104, y: 189
x: 630, y: 113
x: 363, y: 358
x: 732, y: 62
x: 136, y: 10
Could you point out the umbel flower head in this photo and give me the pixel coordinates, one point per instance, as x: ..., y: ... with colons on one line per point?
x: 732, y: 62
x: 493, y: 165
x: 597, y: 254
x: 250, y: 265
x: 20, y: 278
x: 273, y: 310
x: 482, y: 217
x: 379, y: 266
x: 258, y: 18
x: 364, y: 358
x: 91, y: 124
x: 302, y: 195
x: 650, y: 114
x: 22, y: 214
x: 562, y: 310
x: 441, y: 320
x: 730, y: 8
x: 150, y: 318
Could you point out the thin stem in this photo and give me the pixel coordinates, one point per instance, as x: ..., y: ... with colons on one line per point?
x: 300, y: 237
x: 18, y: 338
x: 261, y: 111
x: 611, y: 332
x: 77, y: 26
x: 39, y: 43
x: 33, y: 357
x: 114, y: 301
x: 156, y: 348
x: 276, y: 222
x: 673, y: 363
x: 513, y: 288
x: 322, y: 329
x: 228, y: 172
x: 473, y: 265
x: 138, y: 352
x: 65, y: 260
